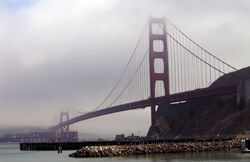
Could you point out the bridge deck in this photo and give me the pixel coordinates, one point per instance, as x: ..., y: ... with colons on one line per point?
x: 189, y: 95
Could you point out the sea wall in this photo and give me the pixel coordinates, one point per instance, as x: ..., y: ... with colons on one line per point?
x: 108, y: 151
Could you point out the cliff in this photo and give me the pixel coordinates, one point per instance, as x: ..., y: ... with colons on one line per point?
x: 204, y: 117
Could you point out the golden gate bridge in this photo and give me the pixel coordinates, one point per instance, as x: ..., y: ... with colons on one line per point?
x: 166, y: 66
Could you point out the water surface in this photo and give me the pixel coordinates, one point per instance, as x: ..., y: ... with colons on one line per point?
x: 11, y: 153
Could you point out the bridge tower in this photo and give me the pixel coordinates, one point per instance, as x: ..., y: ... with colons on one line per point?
x: 157, y: 51
x: 62, y: 115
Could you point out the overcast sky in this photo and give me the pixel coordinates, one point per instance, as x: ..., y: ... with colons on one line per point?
x: 58, y: 55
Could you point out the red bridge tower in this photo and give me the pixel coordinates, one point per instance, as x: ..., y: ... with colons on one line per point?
x: 62, y: 115
x: 157, y: 51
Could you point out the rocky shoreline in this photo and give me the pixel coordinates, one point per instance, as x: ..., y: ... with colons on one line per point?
x: 123, y: 150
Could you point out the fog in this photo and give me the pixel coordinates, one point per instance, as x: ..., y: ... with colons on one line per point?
x: 65, y: 55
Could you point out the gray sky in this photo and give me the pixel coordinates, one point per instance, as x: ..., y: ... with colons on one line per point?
x: 58, y: 55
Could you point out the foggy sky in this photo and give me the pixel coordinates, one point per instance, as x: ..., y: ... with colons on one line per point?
x: 58, y: 55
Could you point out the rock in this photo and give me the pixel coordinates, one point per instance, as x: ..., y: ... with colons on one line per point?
x: 107, y: 151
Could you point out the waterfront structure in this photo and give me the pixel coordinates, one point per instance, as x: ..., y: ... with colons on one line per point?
x: 132, y: 137
x: 245, y: 145
x: 75, y: 145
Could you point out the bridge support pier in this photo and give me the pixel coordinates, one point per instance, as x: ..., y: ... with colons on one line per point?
x: 243, y: 93
x: 153, y: 116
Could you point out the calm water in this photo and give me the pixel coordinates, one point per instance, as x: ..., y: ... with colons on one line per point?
x: 11, y: 153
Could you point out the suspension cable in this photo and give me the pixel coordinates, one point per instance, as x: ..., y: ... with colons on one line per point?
x: 126, y: 67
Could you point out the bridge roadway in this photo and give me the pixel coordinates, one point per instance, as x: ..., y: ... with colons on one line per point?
x: 185, y: 96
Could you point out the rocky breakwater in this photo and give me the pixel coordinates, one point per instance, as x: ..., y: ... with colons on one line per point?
x: 124, y: 150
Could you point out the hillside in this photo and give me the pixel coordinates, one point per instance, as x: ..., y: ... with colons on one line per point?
x: 208, y: 116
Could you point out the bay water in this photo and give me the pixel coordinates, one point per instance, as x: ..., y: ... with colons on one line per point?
x: 11, y: 153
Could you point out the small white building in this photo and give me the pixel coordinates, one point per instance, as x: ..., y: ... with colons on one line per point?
x: 247, y: 134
